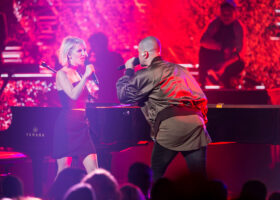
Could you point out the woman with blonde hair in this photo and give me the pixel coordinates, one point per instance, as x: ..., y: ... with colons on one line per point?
x: 71, y: 133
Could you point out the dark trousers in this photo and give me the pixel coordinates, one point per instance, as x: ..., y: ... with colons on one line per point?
x: 162, y: 157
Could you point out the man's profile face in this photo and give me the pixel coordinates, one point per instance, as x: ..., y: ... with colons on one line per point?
x: 227, y: 15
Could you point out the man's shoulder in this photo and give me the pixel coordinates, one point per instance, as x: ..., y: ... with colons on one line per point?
x: 171, y: 64
x: 142, y: 71
x: 167, y: 67
x: 161, y: 63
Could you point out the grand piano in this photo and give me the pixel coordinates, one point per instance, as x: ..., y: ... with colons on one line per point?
x: 121, y: 126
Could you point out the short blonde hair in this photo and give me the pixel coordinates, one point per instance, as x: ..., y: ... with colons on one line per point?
x: 66, y: 48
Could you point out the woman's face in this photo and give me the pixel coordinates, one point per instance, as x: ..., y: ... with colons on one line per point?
x: 78, y: 55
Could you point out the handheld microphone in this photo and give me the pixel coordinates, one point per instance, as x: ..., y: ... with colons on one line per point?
x: 43, y: 64
x: 93, y: 75
x: 135, y: 62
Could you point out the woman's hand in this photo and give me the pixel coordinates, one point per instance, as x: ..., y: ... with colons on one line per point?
x: 89, y: 70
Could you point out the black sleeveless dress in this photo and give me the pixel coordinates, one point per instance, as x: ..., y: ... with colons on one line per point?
x: 71, y: 132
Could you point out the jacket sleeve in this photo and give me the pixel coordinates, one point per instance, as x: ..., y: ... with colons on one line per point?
x: 135, y: 88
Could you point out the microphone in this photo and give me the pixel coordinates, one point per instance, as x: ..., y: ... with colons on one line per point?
x: 135, y: 62
x: 43, y: 64
x: 93, y: 75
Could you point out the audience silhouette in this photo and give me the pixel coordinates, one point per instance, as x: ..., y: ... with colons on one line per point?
x: 75, y: 184
x: 65, y: 179
x: 274, y: 196
x: 12, y: 187
x: 104, y: 184
x: 80, y: 191
x: 131, y: 192
x: 141, y: 175
x: 253, y: 190
x: 163, y: 189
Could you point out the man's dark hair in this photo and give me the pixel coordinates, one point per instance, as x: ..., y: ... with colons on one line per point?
x: 140, y: 175
x: 228, y: 4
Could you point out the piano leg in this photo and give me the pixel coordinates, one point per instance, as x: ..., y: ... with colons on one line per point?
x: 37, y: 164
